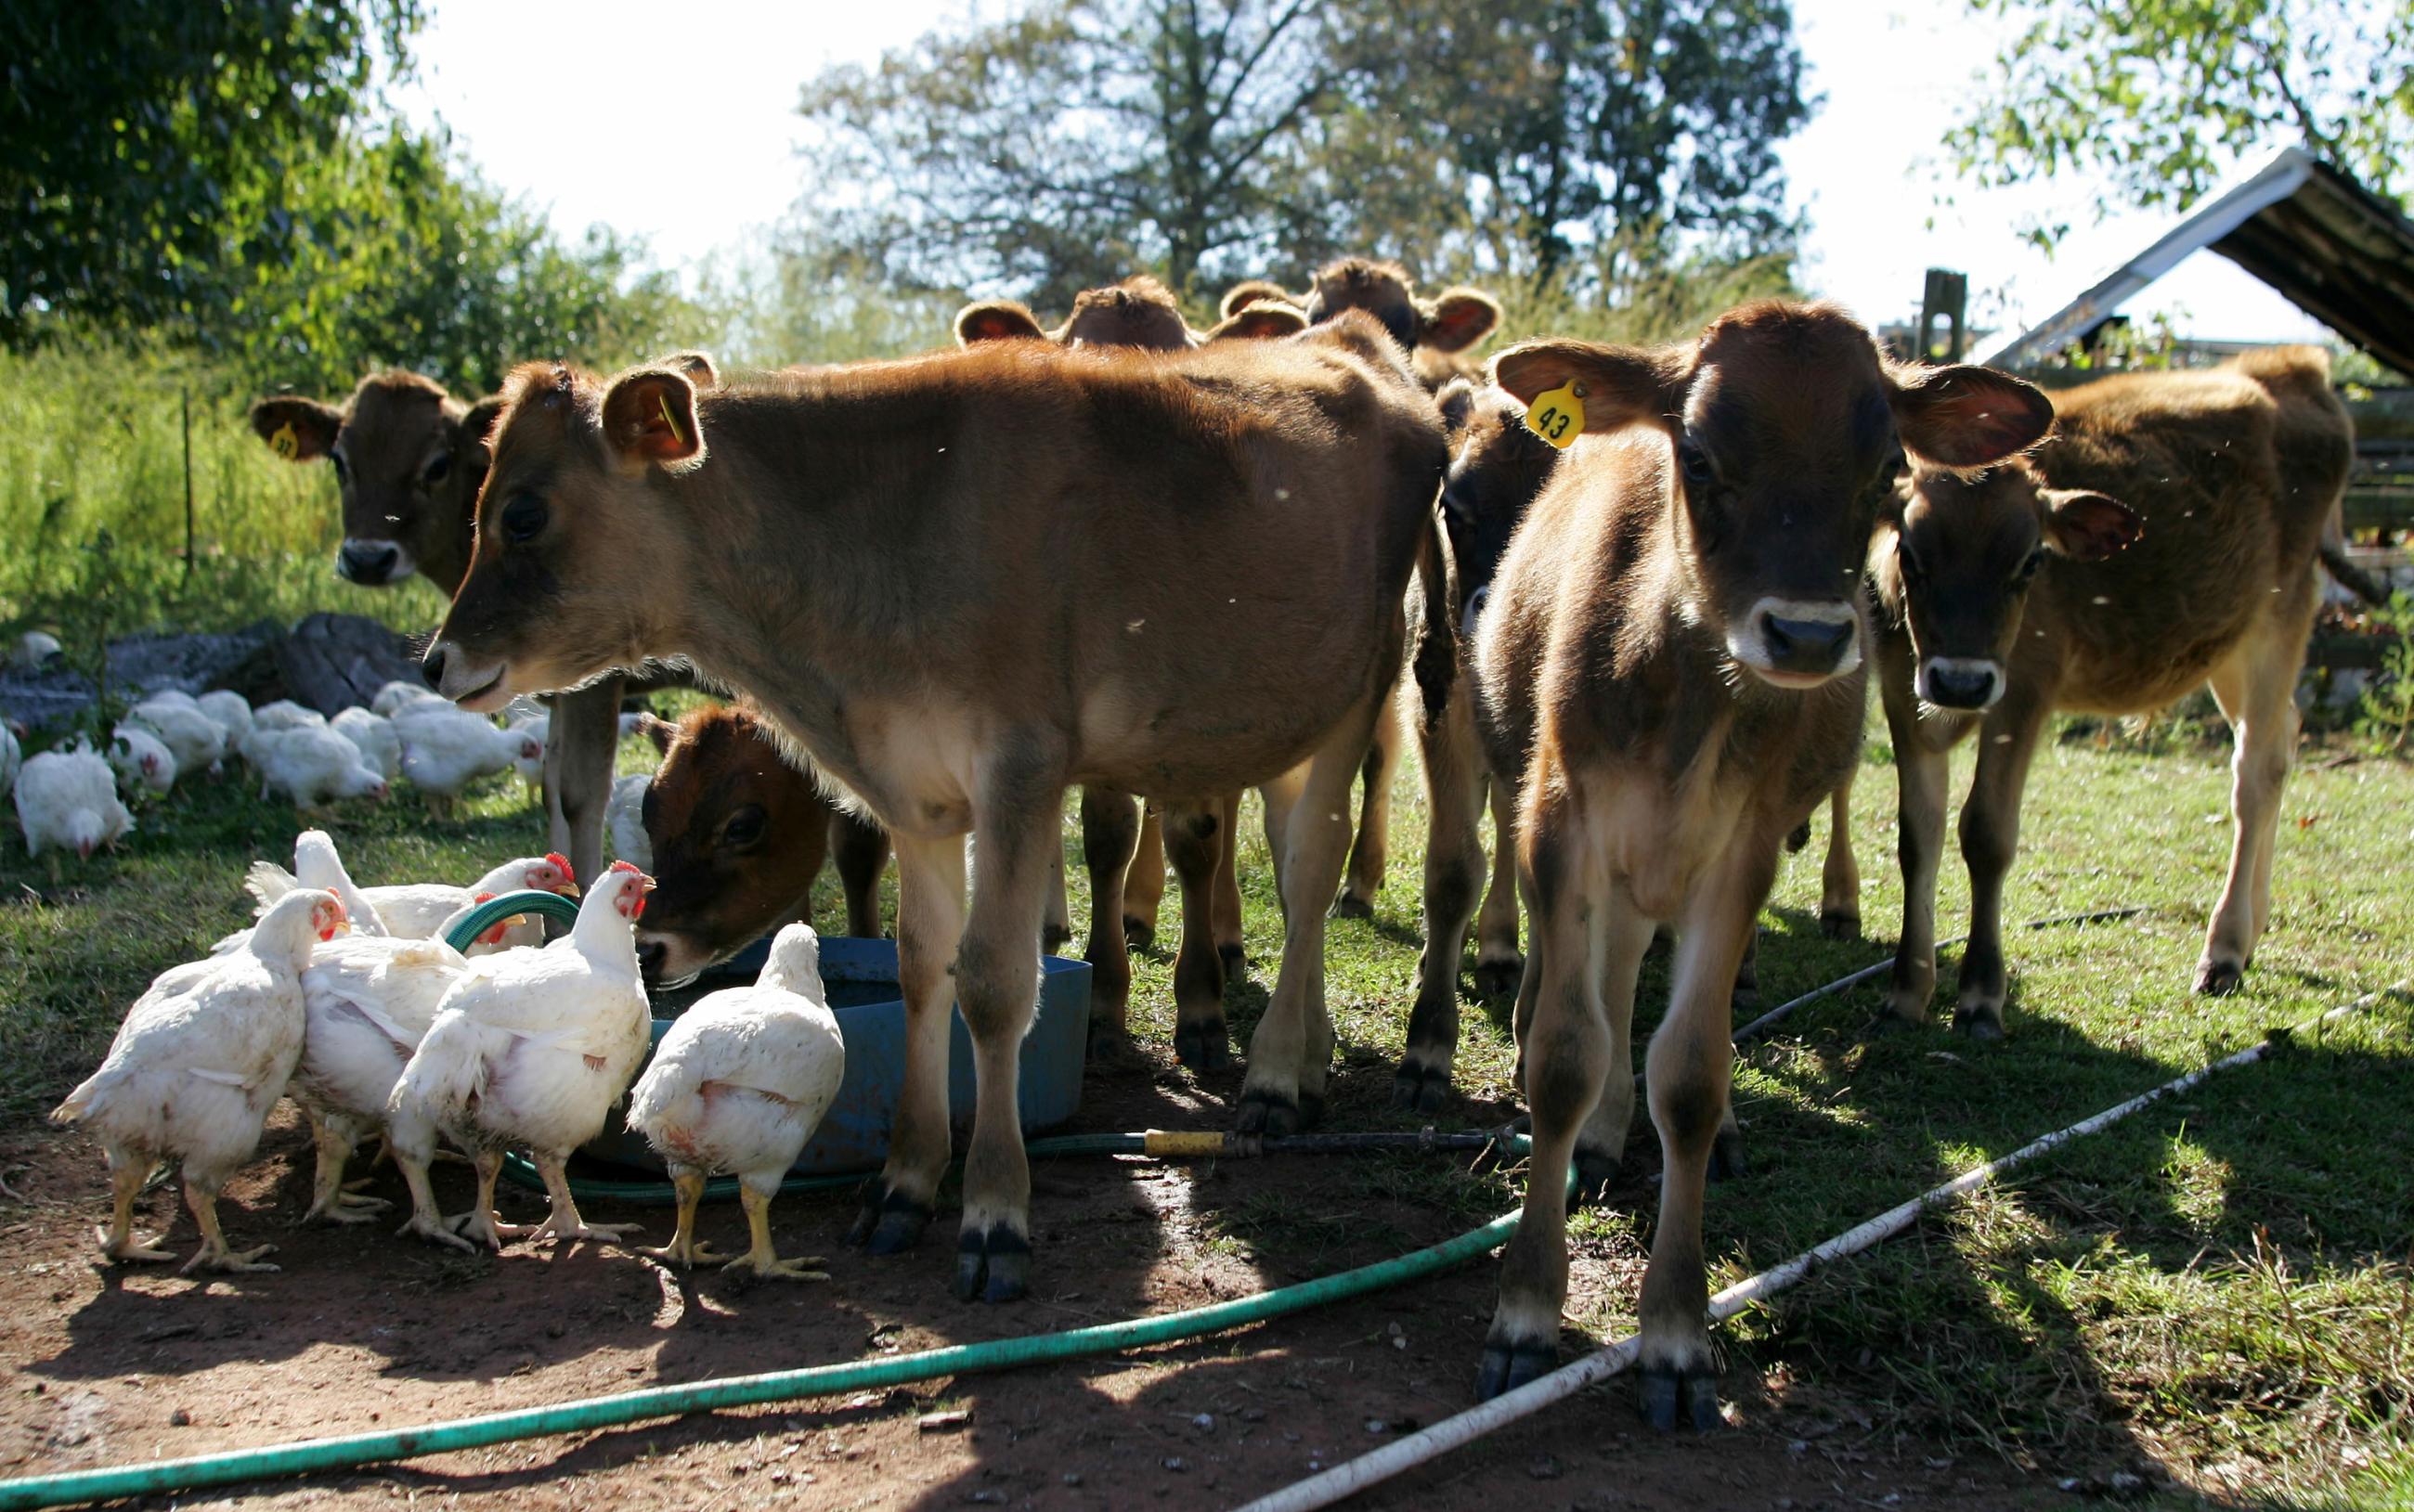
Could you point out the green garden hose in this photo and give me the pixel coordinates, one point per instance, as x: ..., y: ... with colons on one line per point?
x: 235, y: 1466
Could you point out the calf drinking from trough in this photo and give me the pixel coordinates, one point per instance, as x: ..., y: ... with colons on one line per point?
x: 964, y: 582
x: 1672, y: 673
x: 2165, y: 537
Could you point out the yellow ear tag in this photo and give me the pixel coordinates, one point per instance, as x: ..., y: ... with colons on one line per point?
x: 1558, y: 415
x: 675, y: 438
x: 284, y: 442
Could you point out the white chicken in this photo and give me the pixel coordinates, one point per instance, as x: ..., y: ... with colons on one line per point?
x: 195, y: 737
x: 373, y: 736
x: 444, y: 751
x: 13, y: 758
x: 316, y: 864
x: 424, y: 910
x: 531, y: 1047
x: 366, y: 1004
x: 396, y: 696
x: 227, y: 709
x: 625, y: 818
x: 143, y: 762
x: 67, y: 800
x: 738, y: 1084
x: 284, y: 714
x: 312, y: 764
x: 200, y: 1058
x: 34, y: 650
x: 539, y: 728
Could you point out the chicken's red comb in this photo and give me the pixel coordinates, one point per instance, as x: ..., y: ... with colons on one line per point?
x: 562, y: 862
x: 482, y: 897
x: 625, y: 865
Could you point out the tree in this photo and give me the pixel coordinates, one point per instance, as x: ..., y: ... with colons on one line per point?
x: 136, y: 127
x: 2162, y: 97
x: 1078, y: 139
x: 1072, y: 143
x: 1593, y: 140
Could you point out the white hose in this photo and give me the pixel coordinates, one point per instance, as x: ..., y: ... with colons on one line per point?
x: 1347, y: 1480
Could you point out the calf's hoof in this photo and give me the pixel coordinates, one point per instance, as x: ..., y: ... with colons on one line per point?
x: 1668, y: 1395
x: 1726, y: 1157
x: 1980, y: 1021
x: 1510, y: 1363
x: 1744, y: 999
x: 1498, y: 979
x: 1273, y: 1116
x: 1420, y: 1087
x: 1113, y: 1046
x: 1840, y: 926
x: 2219, y: 979
x: 1235, y: 958
x: 889, y: 1220
x: 1053, y: 938
x: 1204, y: 1046
x: 992, y: 1265
x: 1137, y: 933
x: 1349, y: 905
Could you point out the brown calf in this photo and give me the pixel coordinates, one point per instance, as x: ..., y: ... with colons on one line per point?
x: 1671, y: 669
x: 963, y: 583
x: 410, y: 460
x: 2163, y: 538
x: 739, y: 836
x: 1497, y: 468
x: 1126, y: 867
x: 1437, y: 334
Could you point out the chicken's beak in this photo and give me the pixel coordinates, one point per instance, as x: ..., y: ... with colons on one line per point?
x: 650, y: 886
x: 567, y: 889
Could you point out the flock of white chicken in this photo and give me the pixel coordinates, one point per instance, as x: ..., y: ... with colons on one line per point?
x: 76, y: 798
x: 349, y: 1000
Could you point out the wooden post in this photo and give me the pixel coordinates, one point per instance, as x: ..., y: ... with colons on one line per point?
x: 186, y: 394
x: 1946, y: 297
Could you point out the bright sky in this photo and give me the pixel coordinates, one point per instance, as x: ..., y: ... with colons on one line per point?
x: 677, y: 123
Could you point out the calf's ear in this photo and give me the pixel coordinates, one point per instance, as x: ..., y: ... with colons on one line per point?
x: 1263, y: 320
x: 996, y: 319
x: 1968, y: 417
x: 649, y: 419
x: 1456, y: 402
x: 477, y: 420
x: 1457, y: 319
x: 696, y: 365
x: 660, y: 731
x: 2088, y: 526
x: 1250, y: 292
x: 295, y: 428
x: 1618, y: 385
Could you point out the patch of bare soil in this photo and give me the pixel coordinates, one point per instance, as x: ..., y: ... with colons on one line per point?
x: 363, y: 1331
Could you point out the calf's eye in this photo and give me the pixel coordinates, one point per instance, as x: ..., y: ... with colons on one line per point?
x: 1696, y: 463
x: 437, y: 471
x: 2029, y: 565
x: 524, y: 518
x: 745, y: 827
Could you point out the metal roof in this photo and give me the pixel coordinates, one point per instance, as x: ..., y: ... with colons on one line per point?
x: 2330, y: 246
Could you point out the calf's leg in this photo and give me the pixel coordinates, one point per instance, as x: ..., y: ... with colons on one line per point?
x: 1017, y: 823
x: 1228, y: 942
x: 1453, y: 871
x: 1144, y: 883
x: 1110, y: 824
x: 1566, y: 1054
x: 1991, y: 836
x: 1921, y: 771
x: 583, y: 740
x: 1690, y: 1067
x: 1364, y: 877
x: 1840, y: 880
x: 860, y: 848
x: 1291, y: 1051
x: 2257, y: 691
x: 1499, y: 962
x: 1193, y: 843
x: 930, y: 922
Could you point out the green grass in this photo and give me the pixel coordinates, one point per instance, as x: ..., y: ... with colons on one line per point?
x: 2219, y: 1286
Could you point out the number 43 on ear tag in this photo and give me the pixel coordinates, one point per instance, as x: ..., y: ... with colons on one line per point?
x: 1558, y: 415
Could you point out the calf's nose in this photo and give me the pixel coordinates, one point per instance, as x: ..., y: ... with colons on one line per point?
x: 367, y: 562
x: 431, y: 665
x: 1810, y: 646
x: 1960, y: 685
x: 650, y: 956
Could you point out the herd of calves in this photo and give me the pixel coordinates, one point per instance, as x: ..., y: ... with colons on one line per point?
x: 1629, y: 597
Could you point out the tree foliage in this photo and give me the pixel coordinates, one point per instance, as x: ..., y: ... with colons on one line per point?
x: 140, y: 134
x: 2162, y: 97
x: 1077, y: 140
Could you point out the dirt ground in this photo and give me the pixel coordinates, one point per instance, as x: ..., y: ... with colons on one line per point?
x: 362, y: 1331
